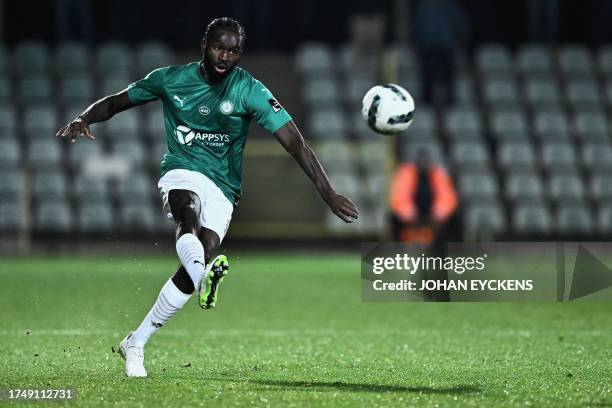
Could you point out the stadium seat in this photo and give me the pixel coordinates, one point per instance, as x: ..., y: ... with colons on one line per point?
x: 356, y: 87
x: 485, y: 219
x: 500, y: 92
x: 114, y: 58
x: 604, y: 61
x: 469, y: 155
x: 558, y: 156
x: 152, y: 55
x: 574, y: 219
x: 124, y: 126
x: 601, y: 187
x: 113, y: 84
x: 565, y: 188
x: 336, y: 156
x: 494, y: 59
x: 136, y: 188
x: 464, y: 119
x: 158, y: 150
x: 314, y: 59
x: 348, y: 183
x: 575, y: 60
x: 542, y: 92
x: 328, y: 125
x: 604, y: 219
x: 377, y: 187
x: 6, y: 93
x: 551, y: 126
x: 11, y: 216
x: 40, y: 122
x: 532, y: 218
x: 509, y: 125
x: 516, y: 156
x: 354, y: 63
x: 53, y: 216
x: 597, y: 156
x: 8, y: 121
x: 35, y: 90
x: 44, y: 153
x: 591, y: 126
x: 10, y: 155
x: 82, y: 151
x: 409, y: 151
x: 154, y: 127
x: 11, y: 183
x: 373, y: 156
x: 524, y: 187
x: 407, y: 59
x: 31, y: 57
x: 76, y: 90
x: 359, y: 127
x: 478, y: 187
x: 49, y: 185
x: 91, y: 189
x: 95, y: 217
x: 72, y: 59
x: 583, y: 93
x: 321, y: 92
x: 534, y: 60
x: 464, y: 90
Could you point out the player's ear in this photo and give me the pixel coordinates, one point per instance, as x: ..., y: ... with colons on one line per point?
x: 203, y: 45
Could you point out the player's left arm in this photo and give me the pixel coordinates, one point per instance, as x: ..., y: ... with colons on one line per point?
x: 291, y: 139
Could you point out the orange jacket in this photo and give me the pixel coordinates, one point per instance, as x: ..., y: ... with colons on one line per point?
x: 403, y: 189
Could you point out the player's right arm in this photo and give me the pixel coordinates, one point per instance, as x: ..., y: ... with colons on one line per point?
x: 150, y: 88
x: 99, y: 111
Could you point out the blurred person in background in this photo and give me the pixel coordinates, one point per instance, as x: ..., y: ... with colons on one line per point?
x: 439, y: 27
x: 422, y: 198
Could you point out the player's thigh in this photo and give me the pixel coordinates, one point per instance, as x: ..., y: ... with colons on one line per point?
x: 184, y: 205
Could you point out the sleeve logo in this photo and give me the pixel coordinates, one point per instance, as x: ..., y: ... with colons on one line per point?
x: 275, y: 105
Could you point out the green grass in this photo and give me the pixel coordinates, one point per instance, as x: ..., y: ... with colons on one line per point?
x: 292, y: 331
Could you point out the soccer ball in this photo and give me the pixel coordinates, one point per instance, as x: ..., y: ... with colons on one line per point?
x: 388, y: 109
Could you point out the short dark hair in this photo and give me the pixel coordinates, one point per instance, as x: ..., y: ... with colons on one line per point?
x: 229, y: 24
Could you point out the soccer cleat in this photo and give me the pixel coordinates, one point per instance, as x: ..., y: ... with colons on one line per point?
x: 208, y: 288
x: 133, y: 356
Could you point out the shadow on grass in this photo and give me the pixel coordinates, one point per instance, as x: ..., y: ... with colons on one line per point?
x: 360, y: 387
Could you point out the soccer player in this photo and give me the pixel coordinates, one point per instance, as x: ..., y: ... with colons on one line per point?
x: 207, y: 109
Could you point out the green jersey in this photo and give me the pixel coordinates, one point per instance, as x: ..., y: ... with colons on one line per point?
x: 207, y: 124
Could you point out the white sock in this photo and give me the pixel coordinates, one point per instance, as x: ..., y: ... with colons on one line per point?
x: 191, y: 253
x: 169, y: 301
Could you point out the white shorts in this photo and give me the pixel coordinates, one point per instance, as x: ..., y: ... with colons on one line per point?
x: 215, y: 210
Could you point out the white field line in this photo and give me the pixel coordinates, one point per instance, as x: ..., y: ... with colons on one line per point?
x: 306, y: 332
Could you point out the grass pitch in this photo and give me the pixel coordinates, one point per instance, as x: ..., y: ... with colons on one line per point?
x: 291, y: 330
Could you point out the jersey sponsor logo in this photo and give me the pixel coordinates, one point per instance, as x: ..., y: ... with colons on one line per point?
x: 226, y: 107
x: 275, y: 105
x: 204, y: 110
x: 186, y: 136
x: 178, y: 98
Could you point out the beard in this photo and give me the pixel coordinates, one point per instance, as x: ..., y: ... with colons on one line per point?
x: 214, y: 72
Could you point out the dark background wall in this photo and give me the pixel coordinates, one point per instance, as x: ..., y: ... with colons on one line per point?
x: 282, y: 25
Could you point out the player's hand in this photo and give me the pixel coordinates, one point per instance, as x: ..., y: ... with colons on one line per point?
x: 77, y: 127
x: 342, y: 206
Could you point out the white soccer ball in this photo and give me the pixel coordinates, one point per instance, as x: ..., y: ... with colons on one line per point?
x: 388, y: 109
